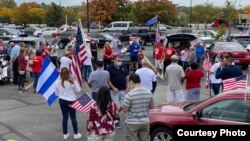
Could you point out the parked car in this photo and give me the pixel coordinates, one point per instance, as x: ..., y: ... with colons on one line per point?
x: 102, y: 38
x: 241, y: 38
x: 229, y: 108
x: 47, y: 31
x: 66, y: 37
x: 28, y: 41
x: 145, y: 34
x: 119, y: 26
x: 207, y: 40
x: 12, y: 33
x: 31, y: 30
x: 95, y: 26
x: 240, y: 55
x: 205, y: 33
x: 242, y: 26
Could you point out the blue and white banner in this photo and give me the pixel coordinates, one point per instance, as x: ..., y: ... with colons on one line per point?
x: 152, y: 21
x: 47, y: 81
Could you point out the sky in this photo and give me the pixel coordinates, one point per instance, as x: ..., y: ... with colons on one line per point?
x: 180, y: 2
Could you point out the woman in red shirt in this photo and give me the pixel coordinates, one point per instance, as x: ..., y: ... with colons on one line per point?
x: 193, y: 76
x: 22, y: 62
x: 107, y: 55
x: 102, y: 116
x: 37, y: 62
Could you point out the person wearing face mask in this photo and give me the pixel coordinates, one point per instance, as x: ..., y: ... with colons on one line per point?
x: 215, y: 83
x: 118, y: 81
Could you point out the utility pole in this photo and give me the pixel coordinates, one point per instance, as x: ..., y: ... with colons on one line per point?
x: 88, y: 15
x: 191, y: 13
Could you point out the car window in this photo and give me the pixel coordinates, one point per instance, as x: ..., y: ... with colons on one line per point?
x: 108, y: 36
x: 117, y: 25
x: 110, y: 25
x: 229, y: 110
x: 130, y: 25
x: 232, y: 47
x: 192, y: 105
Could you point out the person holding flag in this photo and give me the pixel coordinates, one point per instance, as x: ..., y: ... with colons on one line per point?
x: 66, y: 89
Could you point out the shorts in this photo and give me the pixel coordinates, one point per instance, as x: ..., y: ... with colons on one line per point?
x: 159, y: 64
x: 175, y: 95
x: 134, y: 59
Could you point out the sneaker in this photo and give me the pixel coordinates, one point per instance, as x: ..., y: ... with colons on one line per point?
x: 77, y: 136
x: 66, y: 136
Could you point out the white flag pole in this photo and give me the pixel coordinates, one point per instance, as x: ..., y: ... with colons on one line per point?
x: 246, y: 88
x: 84, y: 40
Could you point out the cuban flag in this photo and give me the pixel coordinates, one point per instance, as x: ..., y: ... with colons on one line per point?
x: 47, y: 81
x: 152, y: 21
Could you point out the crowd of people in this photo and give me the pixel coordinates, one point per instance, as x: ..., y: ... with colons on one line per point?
x: 115, y: 88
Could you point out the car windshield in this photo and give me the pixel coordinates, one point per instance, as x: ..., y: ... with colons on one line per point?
x: 14, y: 32
x: 108, y: 36
x: 232, y: 47
x: 209, y: 41
x: 192, y: 105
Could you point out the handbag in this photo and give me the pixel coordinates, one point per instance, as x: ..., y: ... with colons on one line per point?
x: 21, y: 72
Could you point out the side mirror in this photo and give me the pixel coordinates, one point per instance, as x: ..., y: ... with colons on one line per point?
x: 197, y: 115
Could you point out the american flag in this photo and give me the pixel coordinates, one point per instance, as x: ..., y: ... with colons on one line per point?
x: 79, y: 56
x: 84, y: 103
x: 234, y: 83
x: 206, y: 64
x: 117, y: 51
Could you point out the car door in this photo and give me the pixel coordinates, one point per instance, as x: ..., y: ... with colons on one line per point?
x: 226, y: 112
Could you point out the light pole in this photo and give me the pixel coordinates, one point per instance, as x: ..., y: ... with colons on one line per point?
x: 88, y: 15
x: 190, y: 13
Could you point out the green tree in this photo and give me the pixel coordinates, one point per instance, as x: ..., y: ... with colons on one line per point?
x: 54, y: 16
x: 21, y: 14
x: 7, y: 3
x: 147, y: 9
x: 123, y: 10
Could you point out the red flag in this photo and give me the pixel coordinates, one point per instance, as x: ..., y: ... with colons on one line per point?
x: 79, y: 56
x: 83, y: 104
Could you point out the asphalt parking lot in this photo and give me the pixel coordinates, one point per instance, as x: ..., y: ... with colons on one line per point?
x: 27, y: 117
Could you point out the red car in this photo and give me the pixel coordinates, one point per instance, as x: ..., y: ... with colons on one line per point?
x: 229, y: 108
x: 240, y: 55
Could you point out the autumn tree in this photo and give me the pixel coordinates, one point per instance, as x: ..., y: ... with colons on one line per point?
x: 147, y: 9
x: 21, y: 14
x: 247, y: 8
x: 5, y: 15
x: 102, y: 10
x: 7, y: 3
x: 37, y: 15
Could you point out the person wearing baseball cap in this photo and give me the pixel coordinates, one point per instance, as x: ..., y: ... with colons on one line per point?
x: 175, y: 76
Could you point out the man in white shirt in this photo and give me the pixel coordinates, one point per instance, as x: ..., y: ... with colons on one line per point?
x: 87, y: 65
x: 215, y: 83
x: 65, y: 61
x: 147, y: 76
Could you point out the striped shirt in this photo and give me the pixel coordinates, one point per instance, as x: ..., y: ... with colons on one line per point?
x: 138, y: 101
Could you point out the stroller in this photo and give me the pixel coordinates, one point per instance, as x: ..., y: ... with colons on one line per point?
x: 5, y: 69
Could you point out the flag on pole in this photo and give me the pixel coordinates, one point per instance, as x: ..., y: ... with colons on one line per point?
x: 234, y: 83
x: 83, y: 104
x: 47, y: 81
x: 152, y: 21
x: 79, y: 56
x: 207, y: 65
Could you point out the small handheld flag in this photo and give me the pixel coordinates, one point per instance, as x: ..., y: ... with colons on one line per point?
x: 47, y: 81
x: 83, y: 104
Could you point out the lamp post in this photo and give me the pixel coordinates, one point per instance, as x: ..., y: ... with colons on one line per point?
x: 190, y: 13
x: 88, y: 15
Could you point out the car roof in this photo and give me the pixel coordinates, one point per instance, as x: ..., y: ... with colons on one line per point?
x: 225, y: 42
x: 26, y: 39
x: 206, y: 38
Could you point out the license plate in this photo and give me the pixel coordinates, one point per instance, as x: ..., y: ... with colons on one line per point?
x: 236, y: 61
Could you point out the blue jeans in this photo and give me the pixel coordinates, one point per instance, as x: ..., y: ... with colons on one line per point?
x: 94, y: 95
x: 36, y: 77
x: 66, y: 111
x: 216, y: 88
x: 86, y: 72
x: 193, y: 94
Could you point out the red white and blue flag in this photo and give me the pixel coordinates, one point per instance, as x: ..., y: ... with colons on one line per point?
x: 83, y: 104
x: 79, y: 56
x: 235, y: 83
